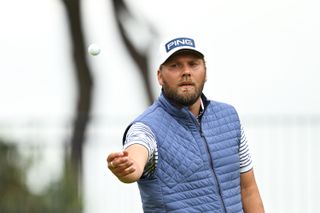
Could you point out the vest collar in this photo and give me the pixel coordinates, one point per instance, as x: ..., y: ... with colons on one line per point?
x: 180, y: 112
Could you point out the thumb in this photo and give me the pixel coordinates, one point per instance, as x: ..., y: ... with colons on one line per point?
x: 125, y: 153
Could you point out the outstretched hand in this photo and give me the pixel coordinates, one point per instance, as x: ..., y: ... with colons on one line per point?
x: 128, y: 165
x: 120, y: 164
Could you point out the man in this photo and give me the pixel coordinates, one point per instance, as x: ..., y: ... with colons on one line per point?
x: 187, y: 153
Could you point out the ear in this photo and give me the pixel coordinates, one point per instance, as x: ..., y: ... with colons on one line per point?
x: 159, y: 75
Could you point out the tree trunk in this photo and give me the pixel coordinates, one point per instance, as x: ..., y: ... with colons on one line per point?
x: 140, y: 59
x: 84, y: 85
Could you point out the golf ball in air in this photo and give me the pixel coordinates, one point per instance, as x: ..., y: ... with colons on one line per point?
x: 94, y: 49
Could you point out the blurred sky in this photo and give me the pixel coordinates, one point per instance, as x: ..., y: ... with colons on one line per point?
x: 262, y: 56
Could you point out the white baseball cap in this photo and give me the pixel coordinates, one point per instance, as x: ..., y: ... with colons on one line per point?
x: 173, y: 45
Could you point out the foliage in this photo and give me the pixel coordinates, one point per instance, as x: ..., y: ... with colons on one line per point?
x: 15, y: 197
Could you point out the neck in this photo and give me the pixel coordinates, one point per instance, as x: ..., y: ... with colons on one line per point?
x: 195, y: 108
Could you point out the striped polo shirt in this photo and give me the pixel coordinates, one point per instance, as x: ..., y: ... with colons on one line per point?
x: 140, y: 133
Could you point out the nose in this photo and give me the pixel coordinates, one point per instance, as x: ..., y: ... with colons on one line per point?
x: 186, y: 71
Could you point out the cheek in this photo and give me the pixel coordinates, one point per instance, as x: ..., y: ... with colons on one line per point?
x: 170, y: 81
x: 167, y: 78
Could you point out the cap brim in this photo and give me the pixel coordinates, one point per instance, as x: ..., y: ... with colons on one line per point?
x: 184, y: 51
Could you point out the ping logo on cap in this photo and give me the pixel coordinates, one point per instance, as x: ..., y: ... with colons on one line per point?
x: 178, y: 42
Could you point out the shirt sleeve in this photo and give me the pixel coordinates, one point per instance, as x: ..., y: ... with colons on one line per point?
x: 140, y: 133
x: 245, y: 157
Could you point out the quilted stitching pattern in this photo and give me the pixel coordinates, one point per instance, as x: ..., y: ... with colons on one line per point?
x: 183, y: 173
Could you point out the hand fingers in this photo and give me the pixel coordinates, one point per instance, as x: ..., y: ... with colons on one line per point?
x: 119, y: 163
x: 124, y: 172
x: 114, y: 155
x: 121, y: 166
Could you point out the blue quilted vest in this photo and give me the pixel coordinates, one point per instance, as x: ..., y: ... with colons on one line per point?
x: 198, y: 163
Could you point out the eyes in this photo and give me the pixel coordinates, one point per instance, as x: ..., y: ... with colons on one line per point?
x: 176, y: 65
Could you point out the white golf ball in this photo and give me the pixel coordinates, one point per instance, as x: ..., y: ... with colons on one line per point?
x: 94, y: 49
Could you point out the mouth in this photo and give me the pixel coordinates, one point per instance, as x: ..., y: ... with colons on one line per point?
x: 186, y: 84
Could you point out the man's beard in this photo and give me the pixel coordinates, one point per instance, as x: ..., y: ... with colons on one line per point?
x: 185, y: 99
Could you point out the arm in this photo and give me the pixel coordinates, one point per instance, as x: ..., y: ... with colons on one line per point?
x: 251, y: 199
x: 129, y: 164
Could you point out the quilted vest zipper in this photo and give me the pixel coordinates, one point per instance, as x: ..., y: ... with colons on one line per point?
x: 215, y: 179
